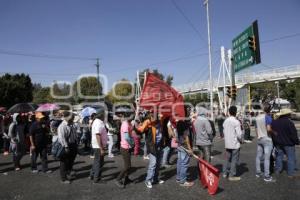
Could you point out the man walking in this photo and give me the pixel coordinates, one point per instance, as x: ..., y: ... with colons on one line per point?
x: 38, y: 134
x: 264, y: 143
x: 232, y: 136
x: 67, y: 138
x: 152, y: 127
x: 99, y: 141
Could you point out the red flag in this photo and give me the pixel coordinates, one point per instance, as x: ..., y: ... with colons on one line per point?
x: 209, y: 176
x: 157, y: 94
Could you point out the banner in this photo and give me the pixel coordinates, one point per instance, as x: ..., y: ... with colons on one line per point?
x: 157, y: 94
x: 209, y: 176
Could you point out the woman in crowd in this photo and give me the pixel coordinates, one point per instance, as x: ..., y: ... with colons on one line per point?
x: 126, y: 144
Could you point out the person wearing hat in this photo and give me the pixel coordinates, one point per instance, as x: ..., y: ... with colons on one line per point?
x: 285, y: 138
x: 38, y: 135
x: 152, y: 128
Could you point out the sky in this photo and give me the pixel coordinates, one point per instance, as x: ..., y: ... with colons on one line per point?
x: 131, y: 35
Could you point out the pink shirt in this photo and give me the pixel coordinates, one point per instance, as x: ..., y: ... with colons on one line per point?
x: 125, y: 128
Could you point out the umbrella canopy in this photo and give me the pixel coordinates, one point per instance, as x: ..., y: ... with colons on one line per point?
x: 22, y: 108
x: 48, y: 107
x: 88, y: 111
x: 124, y: 109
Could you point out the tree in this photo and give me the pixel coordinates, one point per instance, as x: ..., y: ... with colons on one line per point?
x: 196, y: 98
x: 290, y: 90
x: 123, y: 89
x: 41, y: 94
x: 15, y: 89
x: 88, y: 86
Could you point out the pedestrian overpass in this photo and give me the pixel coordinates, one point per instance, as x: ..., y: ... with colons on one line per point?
x: 275, y: 74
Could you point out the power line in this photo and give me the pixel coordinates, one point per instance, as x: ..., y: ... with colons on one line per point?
x: 19, y: 53
x: 163, y: 62
x: 281, y: 38
x: 187, y: 19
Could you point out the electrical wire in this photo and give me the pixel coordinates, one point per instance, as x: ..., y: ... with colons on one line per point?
x: 280, y: 38
x: 19, y: 53
x: 189, y: 22
x: 161, y: 62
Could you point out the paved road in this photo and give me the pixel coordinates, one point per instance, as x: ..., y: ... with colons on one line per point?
x: 25, y: 185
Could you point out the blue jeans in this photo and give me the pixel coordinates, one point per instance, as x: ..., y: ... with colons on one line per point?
x: 232, y: 158
x: 264, y: 149
x: 154, y: 165
x: 291, y: 155
x: 182, y: 165
x: 166, y: 153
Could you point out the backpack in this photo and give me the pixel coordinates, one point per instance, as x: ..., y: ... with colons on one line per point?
x: 57, y: 150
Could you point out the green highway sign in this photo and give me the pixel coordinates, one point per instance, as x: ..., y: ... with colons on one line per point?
x: 246, y: 51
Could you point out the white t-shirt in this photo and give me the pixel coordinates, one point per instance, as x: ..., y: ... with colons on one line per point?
x: 98, y: 127
x: 232, y: 133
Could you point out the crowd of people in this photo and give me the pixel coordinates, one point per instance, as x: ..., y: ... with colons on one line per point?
x: 34, y: 133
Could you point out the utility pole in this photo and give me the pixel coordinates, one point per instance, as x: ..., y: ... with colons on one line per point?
x: 232, y: 81
x: 278, y: 94
x: 98, y: 79
x: 249, y: 97
x: 209, y: 59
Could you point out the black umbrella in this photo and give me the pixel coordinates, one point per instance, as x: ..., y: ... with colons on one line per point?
x: 23, y: 108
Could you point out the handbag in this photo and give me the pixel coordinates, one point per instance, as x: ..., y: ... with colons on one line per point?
x: 57, y: 150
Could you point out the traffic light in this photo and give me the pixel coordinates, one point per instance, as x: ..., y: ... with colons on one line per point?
x: 233, y: 91
x: 251, y: 42
x: 228, y: 91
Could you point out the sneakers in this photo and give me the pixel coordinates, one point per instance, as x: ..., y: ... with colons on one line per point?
x: 111, y: 156
x: 49, y: 171
x: 119, y: 184
x: 146, y: 157
x: 160, y: 181
x: 66, y: 182
x: 225, y: 175
x: 269, y: 179
x: 259, y: 175
x: 6, y: 153
x: 187, y: 184
x: 92, y: 157
x: 34, y: 171
x: 17, y: 169
x: 234, y: 178
x: 148, y: 184
x: 247, y: 141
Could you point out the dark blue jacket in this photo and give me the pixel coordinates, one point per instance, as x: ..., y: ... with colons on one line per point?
x: 285, y: 132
